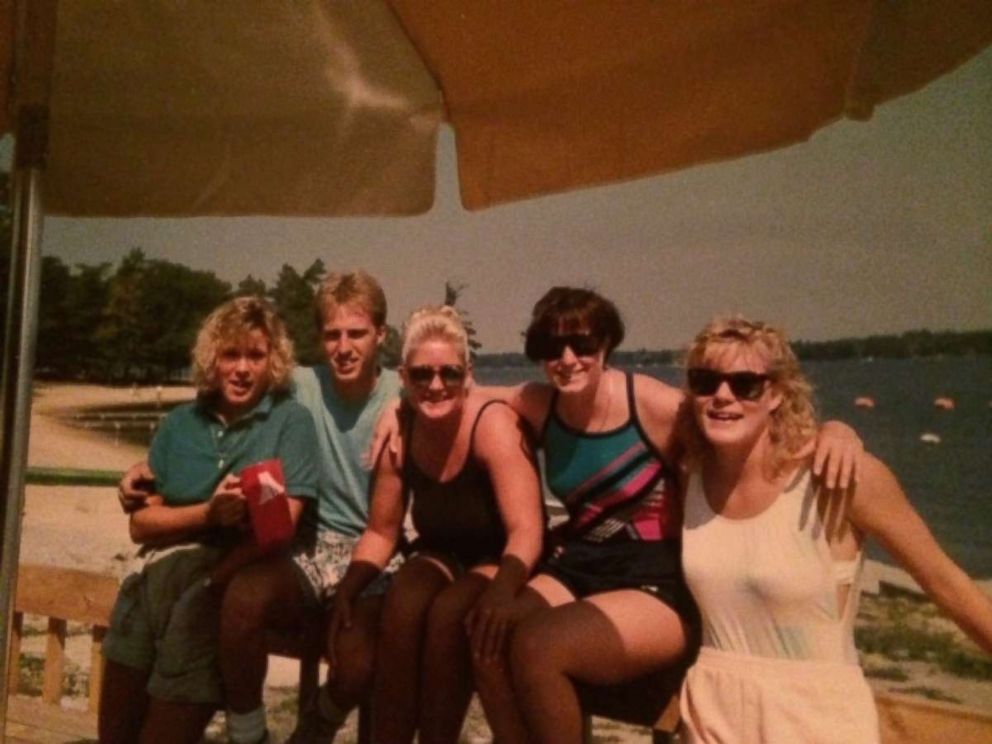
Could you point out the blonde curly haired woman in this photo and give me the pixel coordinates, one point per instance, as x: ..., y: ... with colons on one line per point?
x: 773, y: 562
x: 163, y: 680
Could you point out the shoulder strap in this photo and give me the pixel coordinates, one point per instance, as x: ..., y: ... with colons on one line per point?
x: 475, y: 424
x: 542, y: 434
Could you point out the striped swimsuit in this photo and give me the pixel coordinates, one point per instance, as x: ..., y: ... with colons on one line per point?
x: 625, y: 522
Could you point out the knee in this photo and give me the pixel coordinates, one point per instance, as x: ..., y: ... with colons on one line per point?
x: 446, y: 618
x: 405, y: 610
x: 245, y: 605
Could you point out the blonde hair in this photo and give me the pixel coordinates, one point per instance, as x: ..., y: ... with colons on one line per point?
x: 350, y: 287
x: 793, y: 422
x: 434, y: 322
x: 229, y: 324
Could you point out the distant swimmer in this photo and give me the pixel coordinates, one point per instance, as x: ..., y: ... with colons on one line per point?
x: 944, y: 403
x: 863, y: 401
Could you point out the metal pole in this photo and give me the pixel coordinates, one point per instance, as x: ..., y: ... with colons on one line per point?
x: 35, y: 43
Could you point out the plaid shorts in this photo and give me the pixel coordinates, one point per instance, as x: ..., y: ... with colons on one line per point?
x: 321, y: 563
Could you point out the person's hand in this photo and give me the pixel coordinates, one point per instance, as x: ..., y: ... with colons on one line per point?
x: 135, y: 486
x: 489, y: 623
x: 387, y: 432
x: 226, y: 507
x: 839, y: 456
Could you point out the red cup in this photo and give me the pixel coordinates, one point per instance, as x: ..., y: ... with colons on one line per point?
x: 268, y: 506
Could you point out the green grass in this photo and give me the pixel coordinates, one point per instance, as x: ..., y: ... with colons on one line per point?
x: 930, y: 693
x: 890, y: 673
x: 72, y: 477
x: 903, y: 642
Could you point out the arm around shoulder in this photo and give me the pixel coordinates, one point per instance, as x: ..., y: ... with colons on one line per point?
x: 881, y: 509
x: 531, y: 400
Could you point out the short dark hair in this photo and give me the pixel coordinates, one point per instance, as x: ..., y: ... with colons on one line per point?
x: 571, y: 309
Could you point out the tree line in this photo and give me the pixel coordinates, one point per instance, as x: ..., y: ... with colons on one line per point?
x: 136, y: 322
x: 921, y: 343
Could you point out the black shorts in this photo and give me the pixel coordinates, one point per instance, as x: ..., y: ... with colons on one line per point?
x: 653, y: 567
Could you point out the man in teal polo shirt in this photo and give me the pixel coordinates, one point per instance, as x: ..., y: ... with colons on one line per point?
x: 163, y: 679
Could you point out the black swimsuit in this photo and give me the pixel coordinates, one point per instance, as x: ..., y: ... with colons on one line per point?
x: 458, y: 517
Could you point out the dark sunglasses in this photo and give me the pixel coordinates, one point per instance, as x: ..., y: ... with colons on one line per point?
x: 744, y: 385
x: 423, y: 376
x: 581, y: 344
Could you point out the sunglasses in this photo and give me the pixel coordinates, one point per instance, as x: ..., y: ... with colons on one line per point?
x: 581, y: 344
x: 450, y: 374
x: 744, y: 385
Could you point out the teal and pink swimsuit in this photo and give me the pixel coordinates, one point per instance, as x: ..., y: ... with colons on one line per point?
x: 625, y: 521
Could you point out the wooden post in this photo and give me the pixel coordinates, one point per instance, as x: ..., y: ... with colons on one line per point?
x: 34, y: 55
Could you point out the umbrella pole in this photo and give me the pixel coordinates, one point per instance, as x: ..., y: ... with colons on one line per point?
x: 34, y: 46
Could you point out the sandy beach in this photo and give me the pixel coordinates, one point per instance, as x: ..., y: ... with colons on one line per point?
x: 84, y: 527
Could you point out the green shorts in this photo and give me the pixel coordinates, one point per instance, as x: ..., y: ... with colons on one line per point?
x: 167, y: 622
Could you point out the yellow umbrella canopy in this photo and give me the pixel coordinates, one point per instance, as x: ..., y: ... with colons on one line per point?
x: 548, y: 96
x: 238, y: 107
x: 330, y: 107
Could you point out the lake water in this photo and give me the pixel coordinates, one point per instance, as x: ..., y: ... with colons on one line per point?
x: 949, y: 483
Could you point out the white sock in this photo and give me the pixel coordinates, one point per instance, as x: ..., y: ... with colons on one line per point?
x: 329, y: 710
x: 246, y: 728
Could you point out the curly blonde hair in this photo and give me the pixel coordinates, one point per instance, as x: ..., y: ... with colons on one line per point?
x: 793, y: 422
x: 435, y: 322
x: 228, y: 325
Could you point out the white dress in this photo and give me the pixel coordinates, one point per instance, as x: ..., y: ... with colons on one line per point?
x: 778, y: 662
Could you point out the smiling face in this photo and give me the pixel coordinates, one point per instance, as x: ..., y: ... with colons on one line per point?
x: 351, y: 344
x: 578, y: 361
x: 243, y: 373
x: 728, y: 419
x: 436, y: 379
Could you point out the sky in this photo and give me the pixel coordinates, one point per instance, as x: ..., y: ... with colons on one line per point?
x: 873, y: 227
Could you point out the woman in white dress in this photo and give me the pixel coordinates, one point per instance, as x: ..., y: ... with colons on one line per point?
x: 774, y: 564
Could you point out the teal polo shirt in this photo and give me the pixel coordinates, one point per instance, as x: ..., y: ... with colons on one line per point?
x: 344, y: 433
x: 193, y: 450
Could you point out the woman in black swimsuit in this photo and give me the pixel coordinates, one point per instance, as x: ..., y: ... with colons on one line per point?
x: 467, y: 469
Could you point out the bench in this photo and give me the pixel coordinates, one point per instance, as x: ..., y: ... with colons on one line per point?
x: 62, y: 595
x: 651, y: 701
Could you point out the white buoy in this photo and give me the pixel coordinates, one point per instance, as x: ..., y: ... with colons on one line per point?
x: 928, y: 437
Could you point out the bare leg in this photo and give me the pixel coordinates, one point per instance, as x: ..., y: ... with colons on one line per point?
x: 604, y: 639
x: 350, y: 682
x: 493, y: 681
x: 446, y: 677
x: 123, y: 703
x: 263, y: 594
x: 175, y: 723
x: 404, y: 618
